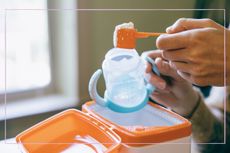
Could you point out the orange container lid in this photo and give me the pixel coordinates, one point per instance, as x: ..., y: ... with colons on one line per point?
x: 68, y: 131
x: 142, y: 135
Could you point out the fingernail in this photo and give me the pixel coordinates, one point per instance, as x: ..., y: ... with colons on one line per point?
x: 172, y: 65
x: 162, y: 85
x: 168, y: 30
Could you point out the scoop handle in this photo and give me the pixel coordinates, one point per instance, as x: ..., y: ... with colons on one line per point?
x: 147, y: 34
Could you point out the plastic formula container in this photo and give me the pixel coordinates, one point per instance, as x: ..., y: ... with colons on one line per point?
x: 69, y: 132
x: 97, y: 129
x: 152, y: 129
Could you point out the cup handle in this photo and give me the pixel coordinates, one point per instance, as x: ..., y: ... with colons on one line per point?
x: 154, y: 67
x: 149, y: 86
x: 93, y: 88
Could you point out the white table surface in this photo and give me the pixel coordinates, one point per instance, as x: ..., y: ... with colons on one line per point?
x: 9, y: 146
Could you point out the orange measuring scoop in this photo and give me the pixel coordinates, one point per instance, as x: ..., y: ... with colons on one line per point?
x: 126, y: 38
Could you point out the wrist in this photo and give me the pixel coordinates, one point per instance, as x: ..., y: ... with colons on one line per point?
x: 194, y: 108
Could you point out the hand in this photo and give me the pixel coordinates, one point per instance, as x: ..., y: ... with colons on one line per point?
x: 195, y: 47
x: 179, y: 95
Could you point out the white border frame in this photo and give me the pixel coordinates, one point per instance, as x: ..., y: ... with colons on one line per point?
x: 224, y: 11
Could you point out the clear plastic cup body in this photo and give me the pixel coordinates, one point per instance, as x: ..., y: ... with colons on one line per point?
x: 123, y: 72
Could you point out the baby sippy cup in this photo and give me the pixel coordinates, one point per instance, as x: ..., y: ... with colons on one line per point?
x: 126, y: 88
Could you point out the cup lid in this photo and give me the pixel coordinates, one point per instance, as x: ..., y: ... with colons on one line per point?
x: 121, y: 60
x: 67, y: 131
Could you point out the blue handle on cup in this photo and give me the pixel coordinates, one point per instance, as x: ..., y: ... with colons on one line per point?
x: 106, y: 102
x: 93, y: 88
x: 154, y: 67
x: 150, y: 87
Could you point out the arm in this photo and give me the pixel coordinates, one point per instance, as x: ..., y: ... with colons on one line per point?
x: 206, y: 126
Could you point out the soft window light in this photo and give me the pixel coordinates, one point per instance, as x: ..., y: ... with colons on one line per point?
x: 27, y: 46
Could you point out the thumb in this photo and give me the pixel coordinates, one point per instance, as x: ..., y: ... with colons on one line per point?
x: 184, y: 24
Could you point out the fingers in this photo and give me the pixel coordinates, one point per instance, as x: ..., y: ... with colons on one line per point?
x: 197, y: 80
x: 176, y: 55
x: 180, y: 66
x: 173, y: 41
x: 166, y: 99
x: 152, y: 54
x: 166, y: 69
x: 155, y: 80
x: 183, y: 24
x: 148, y: 68
x: 185, y: 76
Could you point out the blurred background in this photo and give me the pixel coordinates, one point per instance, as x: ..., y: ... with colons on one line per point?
x: 48, y: 56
